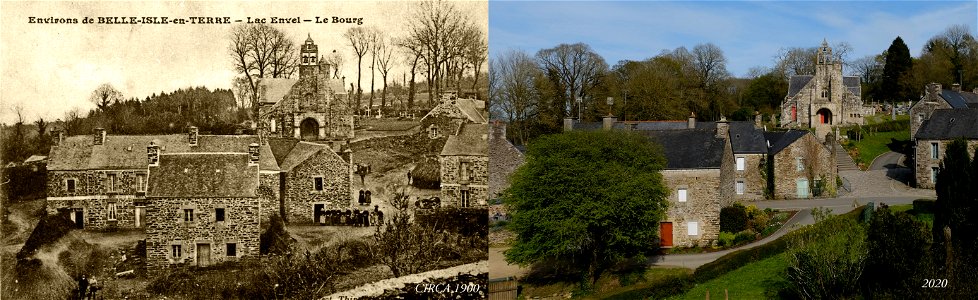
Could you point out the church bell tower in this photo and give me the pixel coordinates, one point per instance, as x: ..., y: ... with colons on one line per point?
x: 309, y: 66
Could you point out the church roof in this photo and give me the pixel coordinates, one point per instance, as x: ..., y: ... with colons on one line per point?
x: 204, y: 175
x: 797, y: 83
x: 471, y: 140
x: 852, y: 83
x: 689, y: 148
x: 272, y: 90
x: 946, y: 124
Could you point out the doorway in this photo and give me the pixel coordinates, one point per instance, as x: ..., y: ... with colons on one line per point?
x: 802, y: 188
x: 665, y: 231
x: 203, y: 255
x: 140, y: 216
x: 317, y: 213
x: 78, y: 215
x: 309, y: 129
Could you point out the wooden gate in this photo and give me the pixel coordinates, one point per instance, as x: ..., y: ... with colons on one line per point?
x: 503, y: 288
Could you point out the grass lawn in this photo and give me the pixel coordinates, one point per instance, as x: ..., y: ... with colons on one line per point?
x: 874, y: 119
x: 923, y: 216
x: 609, y: 286
x: 751, y: 281
x: 872, y: 145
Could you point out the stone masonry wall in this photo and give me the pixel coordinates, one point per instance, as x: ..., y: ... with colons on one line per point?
x: 166, y: 227
x: 269, y: 193
x: 786, y: 174
x: 92, y: 196
x: 452, y: 183
x: 300, y: 191
x: 504, y: 158
x: 702, y: 205
x: 752, y: 176
x: 923, y: 161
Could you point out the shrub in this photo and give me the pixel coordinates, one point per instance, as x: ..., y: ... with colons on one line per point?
x: 733, y: 218
x: 745, y: 236
x: 464, y: 221
x: 725, y: 239
x: 427, y: 175
x: 923, y: 205
x: 897, y: 246
x: 827, y: 260
x: 758, y: 222
x: 275, y: 240
x: 48, y: 230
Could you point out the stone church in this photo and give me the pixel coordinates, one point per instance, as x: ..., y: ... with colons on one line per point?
x: 823, y: 100
x: 313, y: 107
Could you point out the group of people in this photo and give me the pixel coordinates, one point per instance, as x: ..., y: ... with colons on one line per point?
x: 355, y: 217
x: 364, y: 198
x: 87, y: 287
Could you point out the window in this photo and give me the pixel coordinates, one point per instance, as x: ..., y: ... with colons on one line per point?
x: 933, y: 174
x: 188, y: 215
x: 110, y: 182
x: 465, y: 198
x: 799, y: 164
x: 219, y: 215
x: 692, y: 228
x: 70, y: 185
x: 232, y: 249
x: 740, y: 163
x: 740, y: 187
x: 140, y: 182
x: 318, y: 183
x: 273, y: 125
x: 935, y: 150
x: 176, y: 251
x: 111, y: 212
x: 463, y: 171
x: 433, y: 131
x: 682, y: 195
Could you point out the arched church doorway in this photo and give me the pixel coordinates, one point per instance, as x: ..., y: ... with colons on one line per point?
x: 824, y: 116
x: 309, y: 129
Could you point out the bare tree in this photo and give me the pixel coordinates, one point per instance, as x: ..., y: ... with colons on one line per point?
x: 386, y: 63
x: 414, y: 53
x: 710, y: 64
x: 513, y: 94
x: 375, y: 39
x: 261, y: 51
x: 104, y: 96
x: 577, y: 68
x: 335, y: 61
x: 477, y: 52
x: 71, y: 121
x: 869, y: 68
x: 359, y: 38
x: 436, y: 26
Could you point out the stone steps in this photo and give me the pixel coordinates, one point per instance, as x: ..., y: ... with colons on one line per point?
x: 842, y: 159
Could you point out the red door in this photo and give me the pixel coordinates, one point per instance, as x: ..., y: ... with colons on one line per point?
x: 665, y: 231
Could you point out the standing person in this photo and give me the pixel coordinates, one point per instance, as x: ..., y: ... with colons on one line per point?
x: 360, y: 200
x: 92, y: 288
x: 82, y: 287
x: 409, y: 177
x: 367, y: 197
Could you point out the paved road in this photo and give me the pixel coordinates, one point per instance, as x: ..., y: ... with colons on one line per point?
x: 499, y: 268
x: 887, y: 161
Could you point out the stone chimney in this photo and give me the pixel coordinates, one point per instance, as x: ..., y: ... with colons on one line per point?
x: 498, y: 130
x: 723, y: 128
x: 608, y: 121
x: 99, y: 136
x: 568, y: 124
x: 956, y: 87
x: 253, y: 151
x: 57, y: 136
x: 933, y: 89
x: 153, y: 154
x: 192, y: 135
x: 757, y: 119
x: 692, y: 121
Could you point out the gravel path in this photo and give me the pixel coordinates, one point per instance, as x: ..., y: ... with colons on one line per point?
x: 377, y: 288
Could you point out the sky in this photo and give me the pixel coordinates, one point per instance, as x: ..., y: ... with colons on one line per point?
x: 49, y: 69
x: 749, y: 32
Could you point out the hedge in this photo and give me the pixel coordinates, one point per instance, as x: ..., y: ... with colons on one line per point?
x: 465, y: 221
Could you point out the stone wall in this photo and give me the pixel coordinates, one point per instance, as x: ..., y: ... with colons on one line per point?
x: 92, y: 196
x: 752, y: 176
x: 166, y: 227
x: 300, y: 194
x: 452, y: 182
x: 786, y: 174
x: 702, y: 205
x: 923, y: 161
x: 922, y: 110
x: 504, y: 159
x: 446, y: 116
x: 269, y: 194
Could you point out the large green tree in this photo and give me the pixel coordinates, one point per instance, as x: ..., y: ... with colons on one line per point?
x: 588, y: 199
x: 897, y: 81
x: 898, y: 248
x: 956, y: 219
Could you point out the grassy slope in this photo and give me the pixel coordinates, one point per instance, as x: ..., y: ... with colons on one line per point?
x: 609, y: 286
x: 873, y: 145
x: 748, y: 282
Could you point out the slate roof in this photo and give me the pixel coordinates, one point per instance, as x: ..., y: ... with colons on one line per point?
x: 129, y: 151
x: 281, y: 147
x: 781, y: 140
x: 474, y: 109
x: 946, y: 124
x: 957, y: 99
x: 798, y: 82
x: 274, y: 89
x: 852, y: 83
x: 689, y: 148
x: 203, y: 175
x: 651, y: 125
x: 299, y: 153
x: 745, y: 139
x: 588, y: 126
x: 471, y: 140
x: 35, y: 159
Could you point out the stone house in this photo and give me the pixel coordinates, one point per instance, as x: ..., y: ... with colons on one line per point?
x: 464, y: 167
x: 825, y: 99
x: 801, y: 163
x: 445, y: 118
x: 932, y: 137
x: 203, y: 208
x: 102, y: 179
x: 937, y: 98
x: 313, y: 107
x: 313, y: 178
x: 504, y: 159
x: 700, y: 176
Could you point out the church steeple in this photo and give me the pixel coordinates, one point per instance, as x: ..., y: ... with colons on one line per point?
x: 309, y: 66
x: 824, y: 53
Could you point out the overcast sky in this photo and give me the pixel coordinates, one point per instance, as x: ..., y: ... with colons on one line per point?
x: 749, y: 33
x: 49, y: 69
